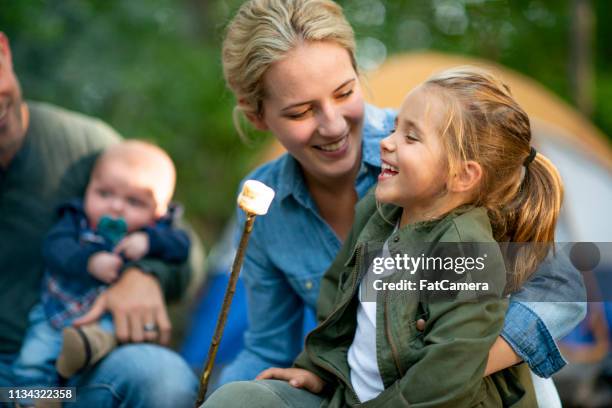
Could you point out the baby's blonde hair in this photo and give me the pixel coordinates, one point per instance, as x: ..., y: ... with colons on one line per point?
x: 264, y: 31
x: 148, y: 163
x: 485, y: 124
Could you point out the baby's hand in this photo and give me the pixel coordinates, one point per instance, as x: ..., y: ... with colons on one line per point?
x: 134, y: 246
x: 104, y: 266
x: 297, y: 377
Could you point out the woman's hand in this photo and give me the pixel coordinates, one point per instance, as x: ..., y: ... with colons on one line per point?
x: 297, y: 377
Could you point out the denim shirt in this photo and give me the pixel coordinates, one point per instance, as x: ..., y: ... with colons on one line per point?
x: 292, y: 246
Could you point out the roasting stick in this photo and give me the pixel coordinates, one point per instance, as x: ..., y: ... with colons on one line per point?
x: 255, y: 199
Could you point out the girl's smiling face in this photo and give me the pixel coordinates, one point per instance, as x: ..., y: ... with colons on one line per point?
x: 414, y: 169
x: 314, y: 106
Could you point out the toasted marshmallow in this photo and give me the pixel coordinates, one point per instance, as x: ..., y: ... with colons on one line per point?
x: 255, y: 197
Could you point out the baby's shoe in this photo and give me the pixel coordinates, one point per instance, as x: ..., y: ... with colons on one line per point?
x: 83, y: 347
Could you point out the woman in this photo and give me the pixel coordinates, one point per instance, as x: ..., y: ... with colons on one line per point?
x: 292, y: 67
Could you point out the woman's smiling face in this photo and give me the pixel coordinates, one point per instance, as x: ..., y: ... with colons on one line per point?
x: 314, y: 106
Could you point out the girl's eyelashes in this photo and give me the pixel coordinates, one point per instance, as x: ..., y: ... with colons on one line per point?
x: 412, y: 135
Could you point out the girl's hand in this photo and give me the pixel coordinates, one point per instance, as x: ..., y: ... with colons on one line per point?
x: 297, y: 377
x: 134, y: 246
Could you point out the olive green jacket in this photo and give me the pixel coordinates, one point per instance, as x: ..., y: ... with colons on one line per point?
x: 441, y: 366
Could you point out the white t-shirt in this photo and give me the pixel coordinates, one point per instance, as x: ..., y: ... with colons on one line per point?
x: 365, y: 376
x: 364, y: 372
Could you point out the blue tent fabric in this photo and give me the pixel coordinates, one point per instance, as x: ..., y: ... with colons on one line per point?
x: 204, y: 320
x: 582, y: 334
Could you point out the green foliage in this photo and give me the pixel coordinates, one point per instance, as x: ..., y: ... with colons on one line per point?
x: 148, y: 68
x: 530, y: 36
x: 152, y: 69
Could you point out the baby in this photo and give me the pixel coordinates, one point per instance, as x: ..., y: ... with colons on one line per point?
x: 125, y: 216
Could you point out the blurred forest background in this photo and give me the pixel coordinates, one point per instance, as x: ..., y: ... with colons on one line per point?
x: 151, y: 68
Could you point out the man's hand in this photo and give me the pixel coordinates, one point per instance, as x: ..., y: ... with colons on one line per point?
x: 104, y: 266
x: 134, y: 246
x: 136, y: 302
x: 297, y: 377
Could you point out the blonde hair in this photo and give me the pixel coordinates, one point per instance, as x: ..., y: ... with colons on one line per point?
x: 264, y: 31
x: 485, y: 124
x: 149, y: 165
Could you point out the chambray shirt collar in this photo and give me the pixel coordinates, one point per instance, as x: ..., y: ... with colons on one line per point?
x: 292, y: 181
x: 375, y: 122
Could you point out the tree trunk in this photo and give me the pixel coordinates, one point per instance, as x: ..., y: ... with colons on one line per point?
x: 581, y: 55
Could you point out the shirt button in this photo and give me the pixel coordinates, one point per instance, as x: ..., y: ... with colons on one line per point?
x: 396, y: 238
x: 308, y: 285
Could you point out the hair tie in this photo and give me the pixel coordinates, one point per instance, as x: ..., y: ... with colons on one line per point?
x: 531, y: 157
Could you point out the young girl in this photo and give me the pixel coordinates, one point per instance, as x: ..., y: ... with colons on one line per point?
x: 458, y: 168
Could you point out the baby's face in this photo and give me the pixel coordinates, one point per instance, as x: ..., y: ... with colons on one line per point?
x: 116, y: 190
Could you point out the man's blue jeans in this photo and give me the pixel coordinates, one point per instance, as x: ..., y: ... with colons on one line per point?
x: 138, y: 375
x: 134, y: 375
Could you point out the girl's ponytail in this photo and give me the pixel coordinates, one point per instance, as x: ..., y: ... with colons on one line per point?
x: 532, y: 217
x: 521, y: 189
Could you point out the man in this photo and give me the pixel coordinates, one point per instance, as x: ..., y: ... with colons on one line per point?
x: 46, y: 155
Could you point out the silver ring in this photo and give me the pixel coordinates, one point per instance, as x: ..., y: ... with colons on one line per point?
x: 150, y: 327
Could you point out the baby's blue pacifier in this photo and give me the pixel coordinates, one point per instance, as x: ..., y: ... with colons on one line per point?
x: 112, y: 229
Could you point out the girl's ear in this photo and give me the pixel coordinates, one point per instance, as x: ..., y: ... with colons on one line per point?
x: 467, y: 178
x: 255, y: 119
